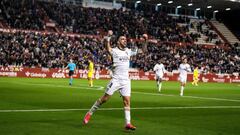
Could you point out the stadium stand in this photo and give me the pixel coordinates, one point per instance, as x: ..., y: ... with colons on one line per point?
x: 53, y: 50
x: 175, y: 37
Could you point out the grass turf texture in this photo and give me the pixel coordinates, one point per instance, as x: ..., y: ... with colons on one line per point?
x: 210, y: 108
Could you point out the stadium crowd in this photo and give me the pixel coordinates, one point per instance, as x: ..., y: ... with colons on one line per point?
x: 48, y: 50
x: 37, y: 49
x: 22, y: 14
x: 94, y: 21
x: 54, y: 51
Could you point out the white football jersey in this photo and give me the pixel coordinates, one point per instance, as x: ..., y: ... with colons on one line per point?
x: 183, y: 69
x: 159, y: 69
x: 121, y: 60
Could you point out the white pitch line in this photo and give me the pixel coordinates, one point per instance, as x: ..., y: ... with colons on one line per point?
x: 61, y: 86
x: 219, y: 99
x: 154, y: 94
x: 137, y: 108
x: 145, y: 93
x: 208, y: 98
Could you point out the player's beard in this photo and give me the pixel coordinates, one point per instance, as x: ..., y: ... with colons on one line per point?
x: 122, y: 46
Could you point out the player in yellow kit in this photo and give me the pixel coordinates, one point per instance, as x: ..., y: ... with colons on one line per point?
x: 195, y: 76
x: 90, y: 72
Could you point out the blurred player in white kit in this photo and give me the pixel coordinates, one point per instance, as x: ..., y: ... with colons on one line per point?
x: 159, y: 70
x: 184, y: 68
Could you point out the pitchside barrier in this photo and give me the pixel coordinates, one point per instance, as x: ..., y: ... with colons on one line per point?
x: 13, y: 71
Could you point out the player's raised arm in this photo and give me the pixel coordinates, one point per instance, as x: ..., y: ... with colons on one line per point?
x: 145, y: 42
x: 188, y: 69
x: 66, y: 67
x: 108, y: 41
x: 164, y: 70
x: 134, y: 51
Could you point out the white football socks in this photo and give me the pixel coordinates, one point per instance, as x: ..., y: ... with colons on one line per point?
x: 94, y: 108
x: 127, y: 115
x: 182, y: 89
x: 159, y: 87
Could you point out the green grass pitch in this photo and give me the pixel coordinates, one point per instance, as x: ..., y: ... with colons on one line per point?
x: 51, y: 107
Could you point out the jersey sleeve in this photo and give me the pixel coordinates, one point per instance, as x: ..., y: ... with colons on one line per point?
x: 179, y: 68
x: 189, y: 68
x: 155, y: 68
x: 164, y: 70
x: 113, y: 51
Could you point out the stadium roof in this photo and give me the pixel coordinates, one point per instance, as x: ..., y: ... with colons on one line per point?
x: 220, y: 5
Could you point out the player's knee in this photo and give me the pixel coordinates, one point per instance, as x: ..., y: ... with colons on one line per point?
x: 126, y: 102
x: 183, y: 84
x: 104, y: 99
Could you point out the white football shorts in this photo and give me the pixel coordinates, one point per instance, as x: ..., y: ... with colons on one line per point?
x: 159, y: 76
x: 124, y: 87
x: 182, y: 79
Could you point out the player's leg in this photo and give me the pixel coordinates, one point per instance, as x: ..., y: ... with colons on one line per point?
x: 193, y: 82
x: 90, y: 82
x: 127, y: 112
x: 71, y: 80
x: 160, y: 83
x: 99, y: 102
x: 95, y: 106
x: 183, y: 83
x: 196, y: 81
x: 111, y: 88
x: 125, y: 91
x: 182, y: 88
x: 70, y: 77
x: 88, y: 77
x: 157, y: 81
